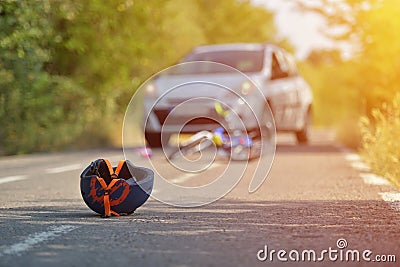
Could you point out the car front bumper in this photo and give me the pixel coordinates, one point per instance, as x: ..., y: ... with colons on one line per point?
x: 195, y: 117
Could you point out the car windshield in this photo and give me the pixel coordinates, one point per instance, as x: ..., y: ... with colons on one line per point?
x: 243, y: 60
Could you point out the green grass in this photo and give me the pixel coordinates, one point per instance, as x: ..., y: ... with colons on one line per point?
x: 381, y: 140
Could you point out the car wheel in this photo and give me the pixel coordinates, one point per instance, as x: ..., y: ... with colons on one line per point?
x: 267, y: 130
x: 153, y: 139
x: 303, y: 136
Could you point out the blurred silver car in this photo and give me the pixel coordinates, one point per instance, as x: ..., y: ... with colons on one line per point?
x: 197, y: 83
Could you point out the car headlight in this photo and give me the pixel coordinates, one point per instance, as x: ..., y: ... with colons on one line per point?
x: 150, y: 90
x: 246, y: 87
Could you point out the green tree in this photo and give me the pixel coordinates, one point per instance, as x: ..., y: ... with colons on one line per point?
x: 68, y: 68
x: 371, y: 27
x: 227, y: 21
x: 370, y: 77
x: 35, y: 108
x: 110, y: 47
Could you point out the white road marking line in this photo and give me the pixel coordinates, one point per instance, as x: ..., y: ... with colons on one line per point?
x: 37, y: 238
x: 353, y: 157
x: 392, y: 198
x: 187, y: 176
x: 66, y: 168
x: 182, y: 178
x: 12, y: 178
x: 370, y: 178
x: 360, y: 166
x: 356, y: 162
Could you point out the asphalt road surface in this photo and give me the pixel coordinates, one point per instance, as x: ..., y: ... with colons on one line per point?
x: 313, y: 200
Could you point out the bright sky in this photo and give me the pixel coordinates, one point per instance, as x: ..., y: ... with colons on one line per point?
x: 303, y: 30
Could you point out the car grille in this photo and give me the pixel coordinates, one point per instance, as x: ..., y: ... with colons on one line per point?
x: 162, y: 115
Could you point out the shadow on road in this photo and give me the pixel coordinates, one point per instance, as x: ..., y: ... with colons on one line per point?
x: 225, y: 233
x: 312, y: 148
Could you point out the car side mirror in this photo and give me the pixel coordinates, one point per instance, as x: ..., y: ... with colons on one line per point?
x: 279, y: 75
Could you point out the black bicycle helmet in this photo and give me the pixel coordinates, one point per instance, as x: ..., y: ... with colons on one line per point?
x: 117, y: 190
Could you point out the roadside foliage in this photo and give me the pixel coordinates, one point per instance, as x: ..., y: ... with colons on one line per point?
x: 380, y: 140
x: 365, y: 86
x: 68, y: 68
x: 38, y: 110
x: 381, y: 125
